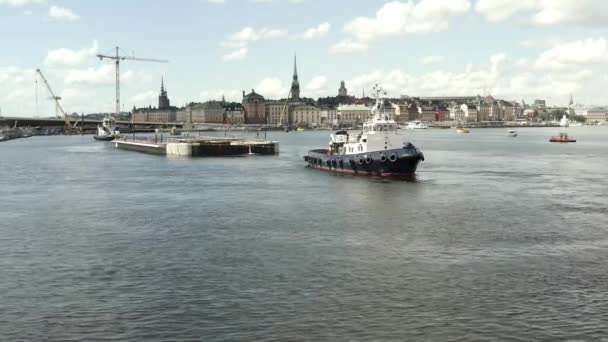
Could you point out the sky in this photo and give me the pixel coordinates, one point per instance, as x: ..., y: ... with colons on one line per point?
x: 514, y: 50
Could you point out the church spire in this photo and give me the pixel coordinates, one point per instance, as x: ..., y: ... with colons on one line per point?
x: 295, y: 84
x: 295, y: 67
x: 571, y: 101
x: 162, y: 84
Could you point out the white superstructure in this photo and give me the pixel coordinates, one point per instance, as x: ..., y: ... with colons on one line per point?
x: 379, y: 133
x: 107, y: 129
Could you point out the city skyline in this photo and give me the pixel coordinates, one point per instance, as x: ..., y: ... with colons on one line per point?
x: 528, y: 50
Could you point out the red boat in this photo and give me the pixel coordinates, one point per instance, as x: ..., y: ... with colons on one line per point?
x: 563, y: 138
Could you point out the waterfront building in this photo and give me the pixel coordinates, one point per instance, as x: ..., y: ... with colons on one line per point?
x: 329, y: 116
x: 442, y: 114
x: 306, y: 116
x: 183, y: 115
x: 254, y: 107
x: 342, y: 91
x: 273, y: 111
x: 233, y: 114
x: 412, y: 111
x: 151, y: 114
x: 518, y: 110
x: 207, y: 112
x: 470, y: 112
x: 597, y: 114
x: 351, y: 115
x: 539, y: 104
x: 580, y: 109
x: 426, y: 114
x: 506, y: 110
x: 457, y: 113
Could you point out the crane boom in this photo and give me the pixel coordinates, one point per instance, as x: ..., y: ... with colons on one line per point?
x: 58, y: 107
x: 122, y: 58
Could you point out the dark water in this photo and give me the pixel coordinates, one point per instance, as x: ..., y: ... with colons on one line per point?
x: 500, y: 239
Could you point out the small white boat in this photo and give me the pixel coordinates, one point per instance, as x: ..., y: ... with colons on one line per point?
x: 416, y: 125
x: 576, y: 124
x: 512, y: 133
x: 564, y: 122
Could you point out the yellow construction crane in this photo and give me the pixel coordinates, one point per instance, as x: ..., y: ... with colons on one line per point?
x: 119, y: 58
x: 59, y: 112
x: 283, y: 120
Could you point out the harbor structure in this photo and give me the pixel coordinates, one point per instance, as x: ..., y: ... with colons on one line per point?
x: 199, y: 146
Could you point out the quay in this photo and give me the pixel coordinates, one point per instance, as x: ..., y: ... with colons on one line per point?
x: 200, y: 146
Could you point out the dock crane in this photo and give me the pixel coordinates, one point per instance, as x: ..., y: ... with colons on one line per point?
x: 284, y: 116
x: 59, y: 112
x: 119, y: 58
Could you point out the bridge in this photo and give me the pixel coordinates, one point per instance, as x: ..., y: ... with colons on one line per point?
x: 88, y: 124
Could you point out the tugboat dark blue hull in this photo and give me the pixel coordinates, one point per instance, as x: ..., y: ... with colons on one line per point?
x: 395, y: 163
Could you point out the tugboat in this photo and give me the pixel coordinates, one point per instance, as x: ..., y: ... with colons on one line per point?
x: 379, y: 150
x: 107, y: 131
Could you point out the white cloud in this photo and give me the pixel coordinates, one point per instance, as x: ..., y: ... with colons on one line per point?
x: 500, y: 76
x: 271, y: 87
x: 62, y: 13
x: 216, y: 94
x: 348, y: 46
x: 317, y: 32
x: 585, y: 12
x: 499, y: 10
x: 399, y: 18
x: 268, y: 1
x: 235, y: 55
x: 18, y: 3
x: 249, y: 35
x: 547, y: 12
x: 103, y: 75
x: 316, y: 87
x: 143, y: 99
x: 432, y: 59
x: 69, y: 57
x: 316, y: 83
x: 574, y: 54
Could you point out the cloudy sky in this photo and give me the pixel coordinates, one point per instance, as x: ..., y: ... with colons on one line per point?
x: 522, y: 49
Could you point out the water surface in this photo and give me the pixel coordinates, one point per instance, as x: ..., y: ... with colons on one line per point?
x: 499, y: 239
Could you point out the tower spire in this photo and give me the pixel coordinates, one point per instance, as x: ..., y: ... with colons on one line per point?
x: 295, y: 84
x: 295, y: 67
x: 162, y: 84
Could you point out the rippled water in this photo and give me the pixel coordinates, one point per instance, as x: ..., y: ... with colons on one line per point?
x: 499, y: 239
